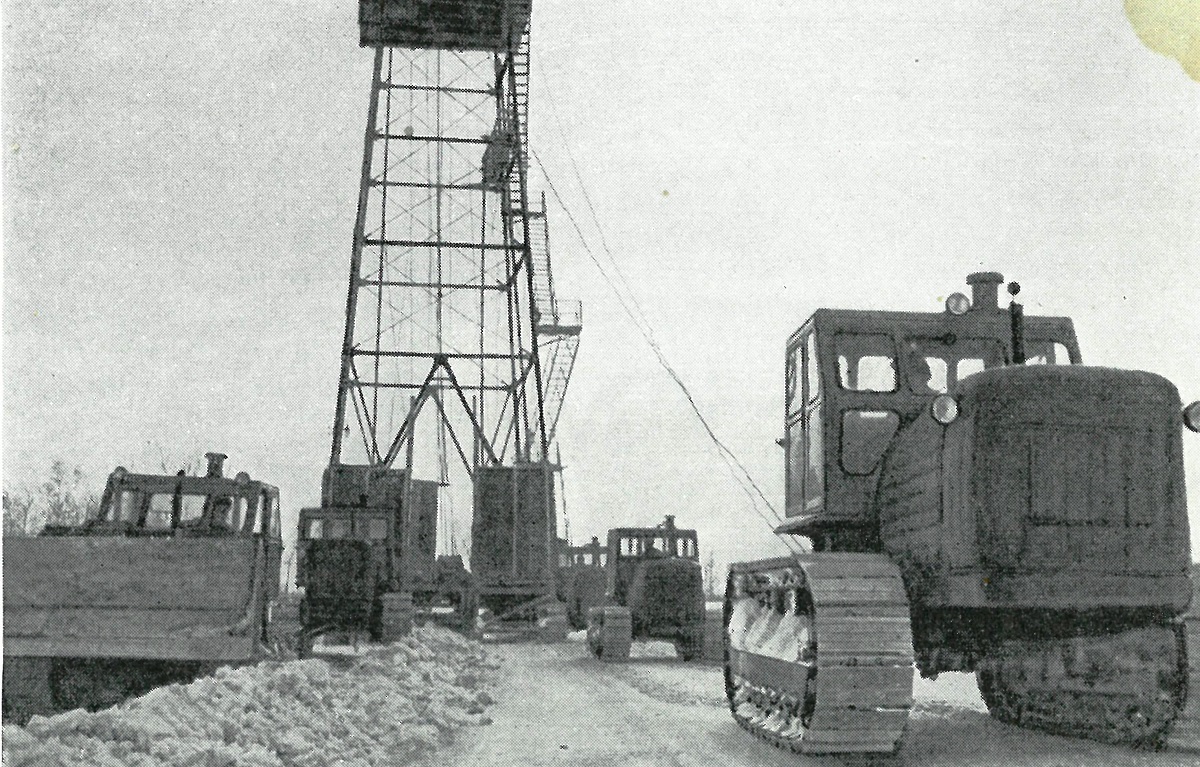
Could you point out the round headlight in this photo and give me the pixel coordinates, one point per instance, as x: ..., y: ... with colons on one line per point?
x: 944, y: 409
x: 957, y: 303
x: 1191, y: 416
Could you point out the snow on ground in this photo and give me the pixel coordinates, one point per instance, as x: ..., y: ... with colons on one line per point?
x: 385, y: 706
x: 558, y: 705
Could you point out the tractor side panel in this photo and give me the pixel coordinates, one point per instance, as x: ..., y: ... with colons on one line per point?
x: 908, y: 502
x: 513, y: 530
x: 424, y: 497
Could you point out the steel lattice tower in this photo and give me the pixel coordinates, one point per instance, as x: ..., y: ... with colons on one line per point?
x: 449, y: 289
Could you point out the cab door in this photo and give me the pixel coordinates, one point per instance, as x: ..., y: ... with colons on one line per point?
x: 805, y: 472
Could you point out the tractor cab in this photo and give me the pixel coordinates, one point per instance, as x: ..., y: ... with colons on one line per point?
x: 181, y: 505
x: 854, y: 379
x: 655, y: 590
x: 628, y: 547
x: 589, y: 555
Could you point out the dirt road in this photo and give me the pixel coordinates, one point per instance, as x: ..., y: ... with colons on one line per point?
x: 556, y: 705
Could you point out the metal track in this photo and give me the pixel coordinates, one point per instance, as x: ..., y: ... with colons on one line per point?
x: 1185, y: 733
x: 1125, y: 688
x: 818, y: 652
x: 610, y: 633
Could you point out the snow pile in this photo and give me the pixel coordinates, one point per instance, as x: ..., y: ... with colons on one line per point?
x: 391, y: 705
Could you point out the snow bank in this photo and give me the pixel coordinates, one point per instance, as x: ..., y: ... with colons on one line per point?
x: 389, y: 706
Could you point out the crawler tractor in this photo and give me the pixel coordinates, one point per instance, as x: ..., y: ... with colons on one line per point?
x: 582, y: 580
x: 366, y: 567
x: 173, y: 577
x: 977, y: 500
x: 655, y: 591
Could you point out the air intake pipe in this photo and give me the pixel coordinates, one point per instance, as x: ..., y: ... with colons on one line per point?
x: 216, y: 464
x: 985, y: 290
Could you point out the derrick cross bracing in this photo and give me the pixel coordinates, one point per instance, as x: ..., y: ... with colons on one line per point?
x: 440, y: 299
x: 450, y: 296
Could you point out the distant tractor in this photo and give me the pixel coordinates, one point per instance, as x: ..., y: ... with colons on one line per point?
x: 173, y: 577
x: 655, y: 590
x: 358, y: 549
x: 582, y: 579
x: 976, y: 500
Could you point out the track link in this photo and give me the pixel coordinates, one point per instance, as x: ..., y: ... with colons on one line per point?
x: 819, y: 652
x: 1185, y: 733
x: 610, y: 633
x: 1125, y: 688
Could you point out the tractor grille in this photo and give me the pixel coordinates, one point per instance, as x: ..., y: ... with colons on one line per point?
x: 1078, y: 469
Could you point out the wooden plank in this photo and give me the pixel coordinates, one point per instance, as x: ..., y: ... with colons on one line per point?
x: 865, y: 660
x: 763, y: 565
x: 837, y: 624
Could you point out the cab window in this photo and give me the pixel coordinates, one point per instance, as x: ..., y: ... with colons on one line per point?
x: 811, y: 370
x: 223, y: 512
x: 260, y: 508
x: 267, y: 514
x: 1046, y: 353
x: 241, y: 510
x: 814, y: 477
x: 337, y: 528
x: 969, y: 367
x: 937, y: 365
x: 191, y: 507
x: 316, y: 529
x: 866, y: 362
x: 792, y: 378
x: 158, y: 516
x: 124, y: 506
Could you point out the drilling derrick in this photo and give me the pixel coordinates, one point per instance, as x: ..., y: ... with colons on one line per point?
x: 450, y: 302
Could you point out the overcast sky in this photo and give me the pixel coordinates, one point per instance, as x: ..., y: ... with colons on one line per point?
x: 180, y: 182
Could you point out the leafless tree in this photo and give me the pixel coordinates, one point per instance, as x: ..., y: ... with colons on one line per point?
x: 63, y: 499
x: 17, y: 511
x: 169, y: 462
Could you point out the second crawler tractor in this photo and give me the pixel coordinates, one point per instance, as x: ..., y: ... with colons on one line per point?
x: 977, y: 500
x: 655, y: 591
